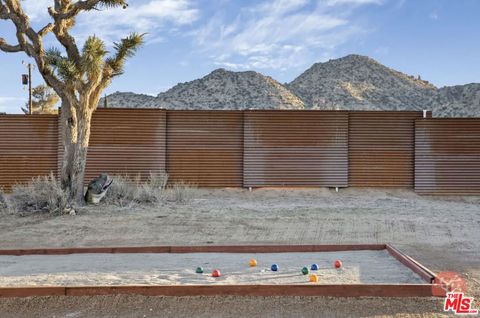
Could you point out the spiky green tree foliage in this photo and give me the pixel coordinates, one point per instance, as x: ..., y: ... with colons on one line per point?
x: 44, y: 100
x: 78, y: 75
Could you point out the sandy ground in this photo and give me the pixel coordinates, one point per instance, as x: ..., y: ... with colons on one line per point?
x: 359, y: 267
x: 442, y: 233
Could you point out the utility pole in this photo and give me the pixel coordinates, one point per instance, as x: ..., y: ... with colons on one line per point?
x: 29, y: 88
x: 27, y: 79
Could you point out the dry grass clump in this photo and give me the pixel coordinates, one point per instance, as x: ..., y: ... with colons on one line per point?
x: 45, y: 195
x: 42, y: 194
x: 182, y: 192
x: 3, y: 201
x: 126, y: 191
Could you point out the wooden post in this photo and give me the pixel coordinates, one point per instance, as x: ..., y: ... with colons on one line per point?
x: 29, y: 88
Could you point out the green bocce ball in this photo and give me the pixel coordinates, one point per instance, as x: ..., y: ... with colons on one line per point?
x: 305, y: 270
x: 199, y: 270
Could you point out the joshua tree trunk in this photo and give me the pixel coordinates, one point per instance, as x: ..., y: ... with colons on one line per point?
x: 75, y: 125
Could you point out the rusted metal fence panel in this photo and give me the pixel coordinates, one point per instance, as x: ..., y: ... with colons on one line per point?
x: 126, y: 141
x: 28, y: 147
x: 381, y: 148
x: 295, y: 148
x: 447, y: 156
x: 258, y: 148
x: 205, y: 147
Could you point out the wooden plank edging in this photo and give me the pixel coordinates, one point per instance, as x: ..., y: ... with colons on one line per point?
x: 409, y: 262
x: 196, y: 249
x: 347, y: 290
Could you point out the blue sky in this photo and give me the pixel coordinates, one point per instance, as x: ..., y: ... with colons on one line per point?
x: 187, y: 39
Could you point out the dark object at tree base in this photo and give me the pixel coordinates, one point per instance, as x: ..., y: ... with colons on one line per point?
x: 3, y: 201
x: 97, y: 188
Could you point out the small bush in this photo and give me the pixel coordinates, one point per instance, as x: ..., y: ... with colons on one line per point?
x: 3, y: 201
x: 121, y: 192
x: 182, y: 192
x: 158, y: 181
x: 41, y: 195
x: 126, y: 191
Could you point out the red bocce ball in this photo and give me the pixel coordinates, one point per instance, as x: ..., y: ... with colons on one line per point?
x: 338, y: 264
x: 216, y: 273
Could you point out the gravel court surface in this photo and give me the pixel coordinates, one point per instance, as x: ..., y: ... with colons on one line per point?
x: 359, y: 267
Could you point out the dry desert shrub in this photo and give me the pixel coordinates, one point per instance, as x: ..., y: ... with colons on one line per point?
x: 45, y: 195
x: 126, y: 190
x: 121, y: 192
x: 3, y: 201
x: 182, y: 192
x: 42, y: 194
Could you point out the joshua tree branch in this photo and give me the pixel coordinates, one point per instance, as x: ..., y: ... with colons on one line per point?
x: 46, y: 29
x: 62, y: 24
x: 69, y: 10
x: 3, y: 11
x: 4, y: 46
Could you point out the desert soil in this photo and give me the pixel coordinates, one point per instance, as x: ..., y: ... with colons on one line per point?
x: 442, y: 233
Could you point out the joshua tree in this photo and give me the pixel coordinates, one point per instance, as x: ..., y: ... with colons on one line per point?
x: 77, y: 75
x: 44, y: 100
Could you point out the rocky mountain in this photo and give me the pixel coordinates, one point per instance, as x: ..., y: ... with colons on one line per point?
x: 352, y: 82
x: 223, y: 89
x: 457, y: 101
x: 220, y: 89
x: 359, y: 82
x: 127, y: 100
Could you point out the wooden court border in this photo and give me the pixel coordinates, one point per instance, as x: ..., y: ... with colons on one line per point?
x: 332, y: 290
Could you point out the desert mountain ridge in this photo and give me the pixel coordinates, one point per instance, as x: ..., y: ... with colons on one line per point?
x: 353, y: 82
x: 221, y: 89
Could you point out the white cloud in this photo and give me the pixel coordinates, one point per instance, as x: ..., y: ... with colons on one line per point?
x: 280, y: 6
x: 37, y: 10
x: 270, y: 34
x: 149, y: 16
x: 353, y: 2
x: 278, y: 34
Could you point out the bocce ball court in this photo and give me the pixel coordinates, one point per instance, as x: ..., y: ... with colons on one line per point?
x: 378, y: 270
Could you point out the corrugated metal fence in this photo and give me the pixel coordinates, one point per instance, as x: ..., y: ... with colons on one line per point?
x: 205, y: 148
x: 295, y: 148
x: 259, y: 148
x: 381, y: 149
x: 447, y: 156
x: 28, y: 147
x: 127, y: 142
